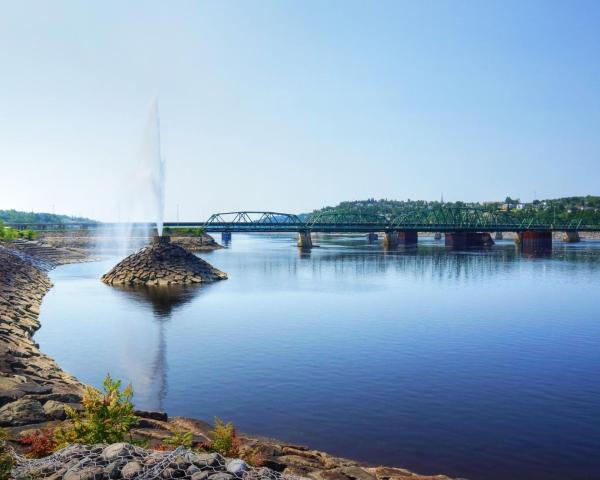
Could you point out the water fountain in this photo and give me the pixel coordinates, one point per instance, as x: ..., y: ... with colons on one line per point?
x: 161, y: 262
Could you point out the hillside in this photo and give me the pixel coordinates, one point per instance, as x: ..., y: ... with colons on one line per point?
x: 586, y: 209
x: 16, y: 216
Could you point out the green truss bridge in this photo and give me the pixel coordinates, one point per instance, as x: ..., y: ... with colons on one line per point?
x: 461, y: 226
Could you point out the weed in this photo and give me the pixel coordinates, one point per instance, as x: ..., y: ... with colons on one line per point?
x: 106, y: 417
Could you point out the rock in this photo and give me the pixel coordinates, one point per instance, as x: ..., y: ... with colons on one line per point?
x: 22, y: 412
x: 116, y: 451
x: 357, y: 473
x: 237, y: 467
x: 193, y: 469
x: 89, y: 473
x: 221, y: 476
x: 113, y: 470
x: 205, y: 459
x: 387, y: 473
x: 162, y: 416
x: 200, y: 475
x: 131, y: 470
x: 55, y: 410
x: 168, y: 473
x: 154, y: 458
x: 327, y: 475
x: 299, y: 461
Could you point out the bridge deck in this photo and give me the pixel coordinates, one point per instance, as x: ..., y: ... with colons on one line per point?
x: 275, y: 227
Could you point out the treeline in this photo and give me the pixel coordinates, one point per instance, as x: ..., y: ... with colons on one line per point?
x: 16, y: 216
x: 586, y: 209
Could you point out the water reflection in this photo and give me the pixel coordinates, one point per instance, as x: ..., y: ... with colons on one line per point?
x: 164, y: 301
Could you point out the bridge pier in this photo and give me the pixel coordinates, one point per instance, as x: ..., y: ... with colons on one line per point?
x: 571, y: 237
x: 498, y: 236
x: 396, y: 238
x: 372, y: 237
x: 226, y: 237
x: 468, y: 239
x: 305, y: 240
x: 530, y: 240
x: 437, y: 236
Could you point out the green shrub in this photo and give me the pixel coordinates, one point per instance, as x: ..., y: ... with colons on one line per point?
x: 225, y: 440
x: 10, y: 233
x: 179, y: 439
x: 106, y: 417
x: 6, y: 459
x: 196, y: 232
x: 28, y: 234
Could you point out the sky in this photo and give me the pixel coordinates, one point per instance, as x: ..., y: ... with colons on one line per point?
x: 293, y: 105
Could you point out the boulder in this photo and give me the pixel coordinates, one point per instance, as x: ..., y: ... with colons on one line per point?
x: 131, y: 470
x: 88, y: 473
x: 116, y: 451
x: 55, y: 410
x: 200, y: 475
x: 22, y: 412
x: 237, y: 467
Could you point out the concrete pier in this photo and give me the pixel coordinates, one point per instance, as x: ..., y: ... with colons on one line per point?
x: 372, y: 237
x: 468, y: 239
x: 395, y: 238
x: 498, y: 236
x: 571, y: 237
x: 226, y: 237
x: 304, y: 240
x: 530, y: 240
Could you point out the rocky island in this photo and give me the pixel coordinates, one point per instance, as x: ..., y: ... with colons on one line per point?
x: 162, y: 263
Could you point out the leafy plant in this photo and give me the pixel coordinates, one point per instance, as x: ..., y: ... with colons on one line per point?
x: 28, y: 234
x: 179, y: 439
x: 106, y: 417
x: 255, y: 457
x: 6, y: 459
x: 225, y: 440
x: 40, y: 443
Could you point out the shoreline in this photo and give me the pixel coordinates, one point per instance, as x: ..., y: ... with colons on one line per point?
x: 34, y: 389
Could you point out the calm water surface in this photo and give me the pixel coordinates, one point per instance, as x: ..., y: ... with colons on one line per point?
x: 479, y: 364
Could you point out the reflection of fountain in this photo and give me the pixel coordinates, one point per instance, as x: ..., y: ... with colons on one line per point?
x: 160, y: 366
x: 164, y: 302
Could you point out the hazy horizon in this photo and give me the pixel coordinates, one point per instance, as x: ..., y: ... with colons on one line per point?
x: 289, y: 106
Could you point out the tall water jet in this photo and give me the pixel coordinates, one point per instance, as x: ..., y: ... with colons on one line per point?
x: 153, y: 164
x: 140, y: 198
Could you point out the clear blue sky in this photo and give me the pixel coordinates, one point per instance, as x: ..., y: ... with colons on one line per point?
x: 291, y: 105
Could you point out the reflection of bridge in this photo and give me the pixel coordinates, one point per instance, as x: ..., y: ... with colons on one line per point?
x: 462, y: 226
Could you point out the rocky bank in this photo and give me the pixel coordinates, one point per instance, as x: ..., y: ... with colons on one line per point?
x: 109, y: 241
x: 33, y: 388
x: 34, y: 392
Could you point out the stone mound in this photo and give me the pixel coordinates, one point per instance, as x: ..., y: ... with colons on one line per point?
x: 162, y: 263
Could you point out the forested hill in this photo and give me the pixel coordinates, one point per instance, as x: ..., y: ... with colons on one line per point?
x: 15, y: 216
x: 585, y: 208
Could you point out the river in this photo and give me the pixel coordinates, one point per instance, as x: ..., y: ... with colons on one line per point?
x: 481, y: 364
